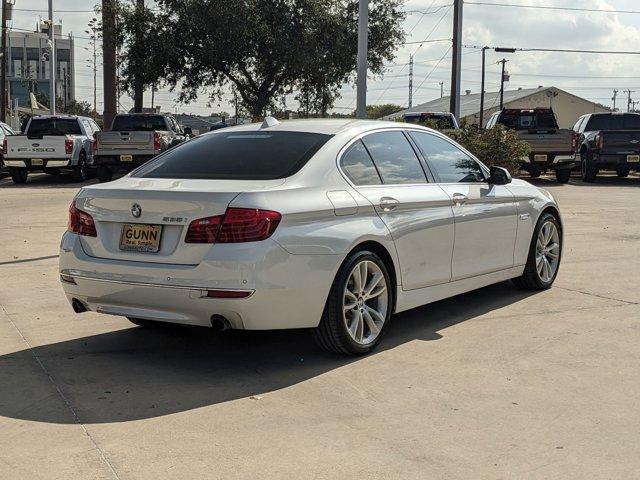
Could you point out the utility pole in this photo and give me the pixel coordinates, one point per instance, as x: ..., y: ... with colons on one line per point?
x: 363, y: 46
x: 629, y: 92
x: 109, y: 60
x: 235, y: 102
x: 410, y: 81
x: 93, y: 33
x: 615, y: 95
x: 481, y: 122
x: 138, y: 90
x: 52, y: 61
x: 454, y: 103
x: 441, y: 89
x: 3, y: 75
x: 502, y: 80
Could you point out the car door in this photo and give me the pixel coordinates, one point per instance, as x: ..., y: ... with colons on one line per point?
x: 384, y: 168
x: 485, y: 215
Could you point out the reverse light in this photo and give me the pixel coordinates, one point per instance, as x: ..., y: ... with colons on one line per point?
x: 68, y: 146
x: 81, y: 222
x: 237, y: 225
x: 157, y: 145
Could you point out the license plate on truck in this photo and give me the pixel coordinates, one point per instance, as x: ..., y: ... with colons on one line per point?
x: 37, y: 161
x: 540, y: 158
x: 633, y: 158
x: 140, y: 238
x: 126, y: 158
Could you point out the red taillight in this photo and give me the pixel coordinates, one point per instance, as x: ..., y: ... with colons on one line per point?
x: 5, y: 148
x: 94, y: 143
x: 157, y: 145
x: 68, y: 147
x: 235, y: 226
x: 228, y: 293
x: 204, y: 230
x: 599, y: 141
x: 81, y: 222
x: 574, y: 140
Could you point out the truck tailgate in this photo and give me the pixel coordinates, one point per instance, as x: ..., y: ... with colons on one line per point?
x: 620, y: 141
x: 559, y: 141
x: 48, y: 147
x: 114, y: 143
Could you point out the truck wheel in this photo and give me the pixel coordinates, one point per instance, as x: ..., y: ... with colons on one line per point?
x: 563, y: 176
x: 587, y: 168
x: 81, y: 171
x: 19, y: 175
x: 104, y: 174
x: 535, y: 173
x: 623, y: 172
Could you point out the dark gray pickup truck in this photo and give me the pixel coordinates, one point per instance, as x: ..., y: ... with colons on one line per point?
x: 607, y: 141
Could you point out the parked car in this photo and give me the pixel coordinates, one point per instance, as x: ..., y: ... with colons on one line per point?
x: 551, y: 146
x: 133, y: 140
x: 441, y: 120
x: 51, y: 144
x: 607, y: 141
x: 329, y: 225
x: 5, y: 130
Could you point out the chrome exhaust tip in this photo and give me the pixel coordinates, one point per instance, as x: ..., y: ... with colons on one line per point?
x: 220, y: 323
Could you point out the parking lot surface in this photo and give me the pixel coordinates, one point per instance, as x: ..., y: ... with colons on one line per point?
x: 497, y: 383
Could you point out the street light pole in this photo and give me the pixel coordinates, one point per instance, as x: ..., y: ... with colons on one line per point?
x: 481, y: 122
x: 456, y: 58
x: 52, y: 61
x: 363, y: 34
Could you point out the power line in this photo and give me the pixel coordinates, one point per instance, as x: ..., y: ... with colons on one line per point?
x: 426, y: 41
x: 563, y: 50
x: 549, y: 7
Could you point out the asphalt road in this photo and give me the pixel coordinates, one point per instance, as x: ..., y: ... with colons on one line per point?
x: 492, y: 384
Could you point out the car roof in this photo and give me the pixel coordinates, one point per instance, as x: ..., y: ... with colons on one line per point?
x: 327, y: 126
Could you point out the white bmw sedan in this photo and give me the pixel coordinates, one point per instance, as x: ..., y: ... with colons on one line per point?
x: 332, y: 225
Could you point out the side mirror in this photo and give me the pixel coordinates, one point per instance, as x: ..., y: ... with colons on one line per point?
x: 499, y: 176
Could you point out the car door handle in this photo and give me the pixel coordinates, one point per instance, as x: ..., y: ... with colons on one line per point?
x: 389, y: 203
x: 459, y: 199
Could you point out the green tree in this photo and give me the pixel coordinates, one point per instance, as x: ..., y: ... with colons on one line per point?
x: 262, y: 48
x: 378, y: 111
x: 71, y: 108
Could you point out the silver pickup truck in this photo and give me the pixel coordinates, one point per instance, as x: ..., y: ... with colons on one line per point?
x: 51, y: 144
x: 551, y: 147
x: 133, y: 140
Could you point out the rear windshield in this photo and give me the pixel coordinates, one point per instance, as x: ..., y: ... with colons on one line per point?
x: 40, y: 127
x: 613, y: 122
x: 530, y: 120
x: 439, y: 120
x: 139, y: 123
x: 243, y: 155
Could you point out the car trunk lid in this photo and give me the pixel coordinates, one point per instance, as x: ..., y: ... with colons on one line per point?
x: 169, y: 204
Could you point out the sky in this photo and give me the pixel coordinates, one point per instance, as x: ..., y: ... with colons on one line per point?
x: 592, y: 76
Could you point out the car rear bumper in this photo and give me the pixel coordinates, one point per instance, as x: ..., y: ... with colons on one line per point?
x: 615, y: 160
x: 553, y: 161
x: 286, y: 291
x: 31, y: 164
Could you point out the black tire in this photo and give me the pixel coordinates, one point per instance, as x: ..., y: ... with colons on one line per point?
x: 105, y: 174
x: 587, y: 168
x: 535, y: 173
x: 331, y: 334
x: 563, y: 176
x: 530, y: 279
x: 81, y: 171
x: 19, y: 175
x: 623, y: 172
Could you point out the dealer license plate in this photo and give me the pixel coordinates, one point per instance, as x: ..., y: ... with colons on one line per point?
x: 540, y: 158
x: 126, y: 158
x: 140, y: 238
x: 633, y: 158
x: 37, y: 161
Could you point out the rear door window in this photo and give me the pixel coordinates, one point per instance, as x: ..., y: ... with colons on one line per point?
x: 394, y: 157
x: 240, y: 155
x: 450, y: 163
x: 358, y: 166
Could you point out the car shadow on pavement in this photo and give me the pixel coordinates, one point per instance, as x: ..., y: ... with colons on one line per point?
x: 137, y: 373
x: 43, y: 181
x: 603, y: 180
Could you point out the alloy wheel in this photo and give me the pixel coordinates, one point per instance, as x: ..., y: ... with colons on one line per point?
x: 365, y: 302
x: 547, y: 251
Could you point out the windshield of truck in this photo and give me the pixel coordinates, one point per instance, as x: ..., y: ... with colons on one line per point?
x: 528, y: 120
x: 40, y: 127
x: 628, y: 121
x: 139, y: 123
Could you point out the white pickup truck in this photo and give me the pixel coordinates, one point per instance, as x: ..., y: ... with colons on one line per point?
x: 51, y: 144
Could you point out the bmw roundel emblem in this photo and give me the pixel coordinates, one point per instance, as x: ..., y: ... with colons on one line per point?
x: 136, y: 210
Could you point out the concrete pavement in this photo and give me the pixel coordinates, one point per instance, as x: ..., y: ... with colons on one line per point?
x: 492, y: 384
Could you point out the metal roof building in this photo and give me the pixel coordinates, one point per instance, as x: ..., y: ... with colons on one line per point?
x: 567, y: 107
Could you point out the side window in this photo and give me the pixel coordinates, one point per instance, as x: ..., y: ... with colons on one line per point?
x: 394, y: 157
x: 576, y: 127
x: 358, y: 166
x: 450, y: 163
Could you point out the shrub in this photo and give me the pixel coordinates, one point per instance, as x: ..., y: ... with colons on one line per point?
x: 495, y: 146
